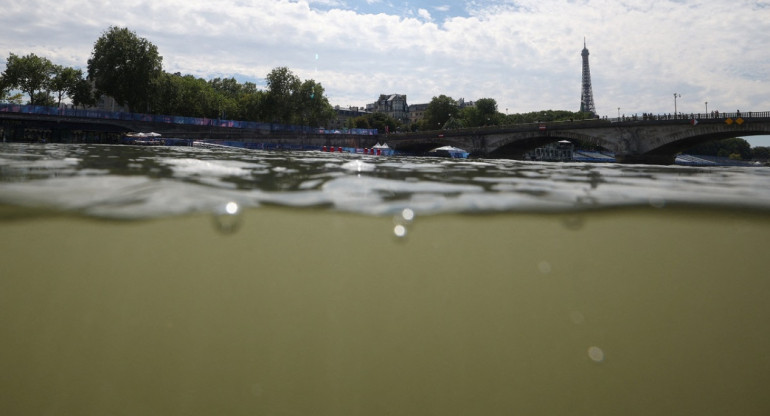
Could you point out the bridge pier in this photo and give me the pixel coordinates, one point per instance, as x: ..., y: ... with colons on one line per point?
x: 646, y: 159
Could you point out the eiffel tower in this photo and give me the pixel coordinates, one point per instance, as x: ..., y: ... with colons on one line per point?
x: 586, y: 94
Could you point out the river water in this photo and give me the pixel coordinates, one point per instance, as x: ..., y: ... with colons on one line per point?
x: 180, y: 280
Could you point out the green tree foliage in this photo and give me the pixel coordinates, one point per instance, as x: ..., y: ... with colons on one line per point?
x: 43, y: 98
x: 126, y: 67
x: 252, y: 105
x: 64, y: 82
x: 4, y: 89
x: 31, y: 74
x: 380, y: 121
x: 439, y: 110
x: 186, y: 96
x: 483, y: 113
x: 289, y: 100
x: 313, y: 108
x: 282, y: 86
x: 734, y: 148
x: 546, y: 116
x: 228, y: 93
x: 760, y: 153
x: 82, y: 93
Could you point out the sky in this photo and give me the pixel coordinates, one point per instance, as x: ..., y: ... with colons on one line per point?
x: 526, y: 54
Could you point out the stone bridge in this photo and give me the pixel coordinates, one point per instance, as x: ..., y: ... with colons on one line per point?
x: 656, y: 140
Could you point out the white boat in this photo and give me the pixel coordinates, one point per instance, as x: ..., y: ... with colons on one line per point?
x: 449, y: 151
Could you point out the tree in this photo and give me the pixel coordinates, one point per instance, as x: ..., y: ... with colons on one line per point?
x: 64, y: 81
x: 125, y: 67
x: 484, y: 113
x: 82, y: 93
x: 31, y: 74
x: 724, y: 148
x: 439, y: 110
x: 760, y: 153
x: 380, y: 121
x: 251, y: 105
x: 281, y: 87
x: 3, y: 88
x: 313, y: 108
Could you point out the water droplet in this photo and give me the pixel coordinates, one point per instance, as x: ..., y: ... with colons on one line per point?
x: 577, y: 317
x: 399, y: 231
x: 544, y: 267
x: 596, y: 354
x: 227, y: 218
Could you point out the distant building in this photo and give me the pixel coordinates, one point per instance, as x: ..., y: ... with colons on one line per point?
x: 462, y: 104
x: 106, y: 103
x: 417, y: 112
x: 393, y: 105
x: 343, y: 115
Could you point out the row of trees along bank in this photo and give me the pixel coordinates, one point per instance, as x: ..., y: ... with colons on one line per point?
x: 129, y: 69
x: 444, y: 112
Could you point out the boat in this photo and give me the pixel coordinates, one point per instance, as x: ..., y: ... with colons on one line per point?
x: 449, y: 151
x: 143, y: 139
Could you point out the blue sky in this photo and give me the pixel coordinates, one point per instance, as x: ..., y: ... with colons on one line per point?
x: 523, y: 53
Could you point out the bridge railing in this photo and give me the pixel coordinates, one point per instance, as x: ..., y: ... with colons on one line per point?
x: 192, y: 121
x: 715, y: 115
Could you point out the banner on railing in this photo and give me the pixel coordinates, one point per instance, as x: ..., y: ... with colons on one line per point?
x: 150, y: 118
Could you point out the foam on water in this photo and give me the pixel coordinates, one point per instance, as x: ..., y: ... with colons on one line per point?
x: 144, y: 182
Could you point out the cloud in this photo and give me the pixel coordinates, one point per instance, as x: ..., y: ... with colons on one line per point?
x: 525, y: 54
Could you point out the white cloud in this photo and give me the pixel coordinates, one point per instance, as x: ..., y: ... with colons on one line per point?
x: 525, y: 54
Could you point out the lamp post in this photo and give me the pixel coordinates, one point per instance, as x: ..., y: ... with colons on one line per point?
x: 707, y: 108
x: 618, y: 113
x: 675, y: 97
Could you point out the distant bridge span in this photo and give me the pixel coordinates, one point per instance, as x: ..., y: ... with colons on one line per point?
x: 656, y: 140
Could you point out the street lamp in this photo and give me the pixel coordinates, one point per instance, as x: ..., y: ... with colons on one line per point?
x: 707, y: 108
x: 675, y: 97
x: 618, y: 113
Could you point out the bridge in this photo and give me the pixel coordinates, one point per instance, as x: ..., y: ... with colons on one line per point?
x: 654, y: 139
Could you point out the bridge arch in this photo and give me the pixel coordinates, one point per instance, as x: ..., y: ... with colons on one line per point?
x: 520, y: 143
x: 424, y: 144
x: 682, y: 140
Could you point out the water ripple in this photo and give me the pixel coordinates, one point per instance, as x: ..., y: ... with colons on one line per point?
x: 137, y: 182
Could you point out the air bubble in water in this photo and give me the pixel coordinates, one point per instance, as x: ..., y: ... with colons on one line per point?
x: 596, y: 354
x: 577, y: 317
x: 408, y: 215
x: 227, y: 218
x: 401, y: 221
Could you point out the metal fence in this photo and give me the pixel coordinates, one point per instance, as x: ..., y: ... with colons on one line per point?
x: 193, y: 121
